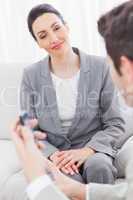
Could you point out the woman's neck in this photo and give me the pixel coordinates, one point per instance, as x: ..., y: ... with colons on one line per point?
x: 65, y: 65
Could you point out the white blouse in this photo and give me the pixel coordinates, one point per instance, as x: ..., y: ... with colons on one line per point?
x: 66, y: 95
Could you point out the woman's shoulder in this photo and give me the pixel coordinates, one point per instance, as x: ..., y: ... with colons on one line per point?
x: 34, y: 67
x: 34, y: 72
x: 37, y: 68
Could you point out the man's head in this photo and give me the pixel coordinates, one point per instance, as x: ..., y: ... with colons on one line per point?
x: 116, y: 27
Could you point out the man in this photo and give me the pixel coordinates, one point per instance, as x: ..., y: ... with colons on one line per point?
x: 116, y: 27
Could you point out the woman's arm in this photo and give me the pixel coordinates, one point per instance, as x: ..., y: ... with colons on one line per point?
x: 27, y: 103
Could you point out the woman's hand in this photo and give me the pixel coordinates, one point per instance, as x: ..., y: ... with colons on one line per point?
x: 73, y: 157
x: 67, y: 170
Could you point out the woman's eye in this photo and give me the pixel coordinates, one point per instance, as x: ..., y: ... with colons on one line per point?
x: 57, y: 28
x: 43, y: 36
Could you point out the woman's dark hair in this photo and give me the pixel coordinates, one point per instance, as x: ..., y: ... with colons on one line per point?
x: 116, y: 27
x: 38, y: 11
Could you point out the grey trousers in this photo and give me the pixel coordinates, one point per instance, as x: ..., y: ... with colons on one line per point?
x: 98, y: 168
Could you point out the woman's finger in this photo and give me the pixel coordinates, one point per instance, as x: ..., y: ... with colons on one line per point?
x: 62, y: 155
x: 75, y: 168
x: 70, y: 169
x: 64, y: 170
x: 79, y: 163
x: 63, y: 162
x: 70, y: 163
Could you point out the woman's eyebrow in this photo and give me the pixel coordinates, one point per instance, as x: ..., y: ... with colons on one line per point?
x: 54, y: 24
x: 43, y: 31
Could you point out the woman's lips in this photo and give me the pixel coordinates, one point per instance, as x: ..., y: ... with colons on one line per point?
x: 57, y: 46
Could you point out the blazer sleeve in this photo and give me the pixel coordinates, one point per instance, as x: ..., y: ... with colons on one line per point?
x: 105, y: 191
x: 107, y: 139
x: 51, y: 192
x: 119, y: 191
x: 27, y: 101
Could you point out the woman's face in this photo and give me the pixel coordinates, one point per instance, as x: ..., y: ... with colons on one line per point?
x: 51, y: 34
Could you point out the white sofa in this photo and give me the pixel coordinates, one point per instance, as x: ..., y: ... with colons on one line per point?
x: 10, y: 76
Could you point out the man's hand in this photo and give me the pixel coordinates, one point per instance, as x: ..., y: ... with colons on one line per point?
x: 30, y: 156
x: 38, y: 135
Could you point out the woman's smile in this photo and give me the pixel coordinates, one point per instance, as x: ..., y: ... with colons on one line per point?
x: 57, y: 45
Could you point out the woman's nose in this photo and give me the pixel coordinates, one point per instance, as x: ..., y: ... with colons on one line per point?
x: 53, y: 38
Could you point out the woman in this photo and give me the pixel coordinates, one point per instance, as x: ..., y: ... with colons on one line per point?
x: 72, y: 96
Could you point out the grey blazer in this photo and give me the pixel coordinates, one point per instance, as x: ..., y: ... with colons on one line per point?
x: 97, y: 122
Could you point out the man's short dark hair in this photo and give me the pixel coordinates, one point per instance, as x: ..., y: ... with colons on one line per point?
x: 116, y: 27
x: 39, y: 10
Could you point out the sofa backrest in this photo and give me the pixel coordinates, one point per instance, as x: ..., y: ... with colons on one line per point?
x: 10, y: 77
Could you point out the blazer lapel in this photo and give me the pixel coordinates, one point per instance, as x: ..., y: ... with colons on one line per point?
x: 50, y: 93
x: 83, y: 89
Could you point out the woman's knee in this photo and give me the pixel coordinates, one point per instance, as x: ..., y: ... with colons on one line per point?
x: 99, y: 169
x: 99, y: 163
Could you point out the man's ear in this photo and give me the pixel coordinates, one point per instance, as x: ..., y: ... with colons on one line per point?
x: 126, y: 67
